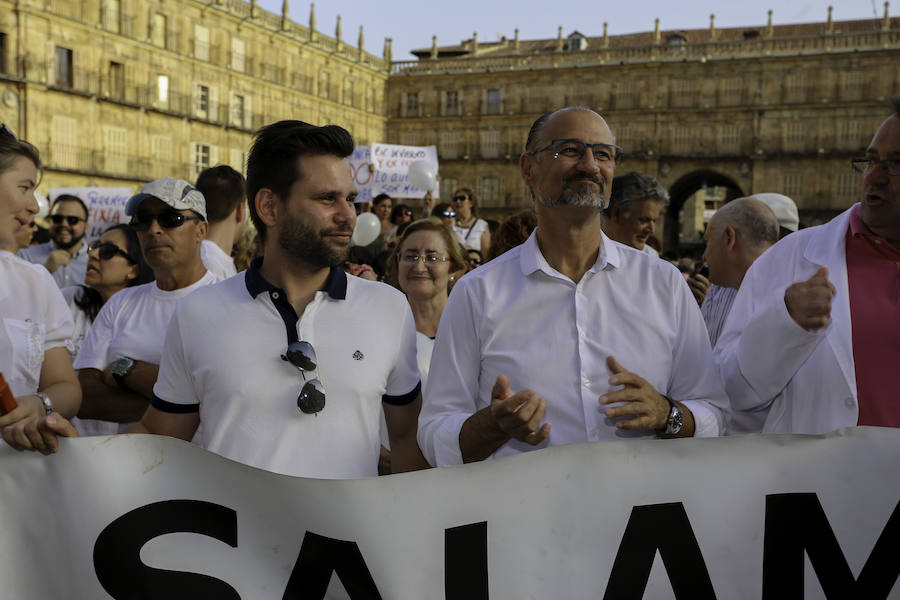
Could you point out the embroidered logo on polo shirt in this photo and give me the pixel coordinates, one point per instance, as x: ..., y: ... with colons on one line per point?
x: 358, y: 355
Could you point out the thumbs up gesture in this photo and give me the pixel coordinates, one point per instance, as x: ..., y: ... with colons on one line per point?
x: 809, y: 302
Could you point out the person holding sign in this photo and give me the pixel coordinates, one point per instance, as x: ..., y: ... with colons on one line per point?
x: 35, y: 323
x: 471, y: 231
x: 569, y: 337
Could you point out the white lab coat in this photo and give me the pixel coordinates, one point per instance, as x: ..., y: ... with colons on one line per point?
x: 779, y: 377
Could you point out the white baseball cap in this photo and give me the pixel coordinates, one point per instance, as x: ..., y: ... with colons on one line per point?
x: 784, y: 208
x: 177, y: 193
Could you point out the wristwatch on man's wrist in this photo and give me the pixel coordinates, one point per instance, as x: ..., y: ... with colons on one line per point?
x: 120, y: 368
x: 45, y: 399
x: 675, y: 421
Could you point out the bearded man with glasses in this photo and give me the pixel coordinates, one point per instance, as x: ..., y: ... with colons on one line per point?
x: 570, y: 328
x: 119, y: 360
x: 65, y: 255
x: 812, y: 342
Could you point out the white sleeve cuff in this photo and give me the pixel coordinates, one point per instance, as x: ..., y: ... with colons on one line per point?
x: 445, y: 441
x: 706, y: 424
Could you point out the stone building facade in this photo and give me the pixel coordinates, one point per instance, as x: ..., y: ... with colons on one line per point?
x: 754, y: 109
x: 118, y: 92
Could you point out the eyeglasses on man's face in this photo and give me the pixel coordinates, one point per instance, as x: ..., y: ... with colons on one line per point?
x: 302, y: 355
x: 169, y: 219
x: 427, y: 259
x: 72, y: 220
x: 107, y: 250
x: 573, y: 150
x: 865, y: 164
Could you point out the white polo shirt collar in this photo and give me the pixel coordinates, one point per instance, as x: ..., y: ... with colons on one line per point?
x: 532, y: 260
x: 335, y: 286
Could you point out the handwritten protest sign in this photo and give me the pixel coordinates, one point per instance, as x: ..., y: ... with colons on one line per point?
x: 362, y: 171
x: 106, y: 206
x: 392, y: 163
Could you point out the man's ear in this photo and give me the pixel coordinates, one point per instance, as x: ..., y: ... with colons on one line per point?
x: 526, y: 166
x: 266, y: 204
x: 240, y: 213
x: 202, y: 229
x: 730, y: 237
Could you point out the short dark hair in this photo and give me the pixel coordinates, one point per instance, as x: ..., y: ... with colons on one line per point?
x: 223, y: 189
x: 633, y: 186
x: 273, y: 164
x: 399, y: 210
x: 440, y: 208
x: 11, y: 148
x: 71, y: 198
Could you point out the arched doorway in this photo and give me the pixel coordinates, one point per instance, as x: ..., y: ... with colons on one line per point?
x: 685, y: 188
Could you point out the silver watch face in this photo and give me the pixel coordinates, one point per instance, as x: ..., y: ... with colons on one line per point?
x: 675, y: 421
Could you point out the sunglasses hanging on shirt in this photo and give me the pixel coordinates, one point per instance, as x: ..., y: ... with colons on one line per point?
x: 312, y: 395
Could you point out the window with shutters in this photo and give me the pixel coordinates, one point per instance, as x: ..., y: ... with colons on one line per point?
x: 111, y: 15
x: 730, y: 138
x: 490, y: 144
x: 158, y: 26
x: 732, y: 91
x: 161, y: 146
x: 237, y: 54
x: 448, y: 186
x: 451, y: 103
x: 201, y: 101
x: 64, y: 151
x: 115, y: 149
x: 681, y: 139
x: 683, y: 92
x: 795, y: 137
x: 238, y: 113
x: 64, y: 75
x: 411, y: 104
x: 200, y: 160
x: 490, y: 190
x: 793, y: 185
x: 449, y: 144
x: 201, y: 43
x: 851, y: 135
x: 117, y: 80
x: 848, y: 186
x: 493, y: 104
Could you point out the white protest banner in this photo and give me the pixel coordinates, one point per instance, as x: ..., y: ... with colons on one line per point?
x: 392, y: 169
x: 768, y: 517
x: 106, y: 206
x: 362, y: 170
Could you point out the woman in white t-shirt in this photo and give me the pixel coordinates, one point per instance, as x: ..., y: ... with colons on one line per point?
x: 472, y: 232
x: 36, y: 325
x: 115, y: 262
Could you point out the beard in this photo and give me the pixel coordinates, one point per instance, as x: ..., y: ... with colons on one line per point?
x: 304, y: 243
x: 66, y: 245
x: 582, y: 194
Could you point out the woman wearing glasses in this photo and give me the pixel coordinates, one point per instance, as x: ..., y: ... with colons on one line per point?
x: 35, y: 325
x: 115, y: 262
x: 423, y: 266
x: 471, y: 231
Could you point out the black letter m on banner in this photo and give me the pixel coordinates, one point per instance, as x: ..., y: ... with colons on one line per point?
x: 796, y: 523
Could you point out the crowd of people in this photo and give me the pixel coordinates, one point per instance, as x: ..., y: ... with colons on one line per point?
x: 448, y: 339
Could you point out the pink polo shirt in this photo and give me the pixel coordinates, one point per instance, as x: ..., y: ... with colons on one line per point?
x: 873, y: 274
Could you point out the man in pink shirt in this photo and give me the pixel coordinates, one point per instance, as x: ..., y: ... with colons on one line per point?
x: 813, y: 340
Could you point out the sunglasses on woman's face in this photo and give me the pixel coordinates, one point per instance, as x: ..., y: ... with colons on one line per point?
x: 107, y: 250
x: 449, y: 213
x: 312, y: 396
x: 72, y: 220
x: 167, y: 220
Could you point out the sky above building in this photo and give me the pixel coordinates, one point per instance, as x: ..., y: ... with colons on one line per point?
x: 411, y: 23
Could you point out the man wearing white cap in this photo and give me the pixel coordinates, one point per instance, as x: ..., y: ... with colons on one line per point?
x: 119, y: 361
x: 785, y: 211
x: 813, y: 340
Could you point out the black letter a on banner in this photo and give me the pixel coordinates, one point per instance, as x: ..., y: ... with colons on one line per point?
x: 663, y: 527
x: 117, y: 558
x: 797, y: 522
x: 319, y: 557
x: 465, y: 562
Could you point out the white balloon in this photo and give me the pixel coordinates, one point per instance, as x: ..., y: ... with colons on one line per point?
x: 367, y: 229
x: 422, y: 175
x: 43, y: 206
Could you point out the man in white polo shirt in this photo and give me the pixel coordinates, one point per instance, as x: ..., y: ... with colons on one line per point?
x: 550, y: 332
x: 120, y: 358
x: 286, y: 366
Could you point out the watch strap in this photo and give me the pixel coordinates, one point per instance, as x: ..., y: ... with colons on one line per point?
x: 45, y: 399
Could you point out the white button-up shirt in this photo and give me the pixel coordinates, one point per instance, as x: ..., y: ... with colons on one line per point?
x: 520, y: 317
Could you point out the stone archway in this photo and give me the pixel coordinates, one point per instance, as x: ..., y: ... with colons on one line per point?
x: 684, y: 188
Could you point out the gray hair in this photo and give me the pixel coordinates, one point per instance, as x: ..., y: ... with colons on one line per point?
x: 752, y: 219
x: 633, y: 186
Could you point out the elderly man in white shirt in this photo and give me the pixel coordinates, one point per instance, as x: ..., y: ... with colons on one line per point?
x: 571, y: 329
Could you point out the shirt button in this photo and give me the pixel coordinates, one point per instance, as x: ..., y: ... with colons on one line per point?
x: 582, y: 335
x: 587, y: 383
x: 275, y: 295
x: 850, y: 403
x: 594, y: 434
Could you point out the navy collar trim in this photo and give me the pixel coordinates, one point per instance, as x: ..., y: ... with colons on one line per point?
x: 335, y: 286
